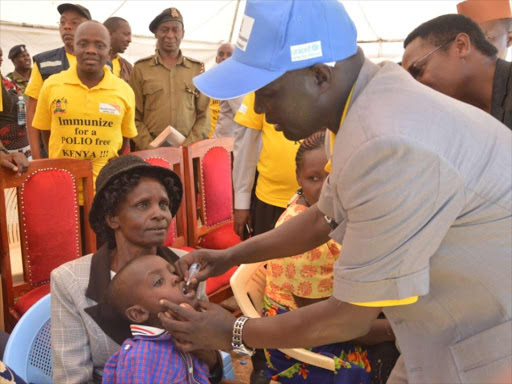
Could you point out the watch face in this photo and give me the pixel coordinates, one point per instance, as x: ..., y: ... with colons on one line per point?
x: 243, y: 351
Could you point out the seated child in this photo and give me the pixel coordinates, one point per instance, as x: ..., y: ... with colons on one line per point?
x: 301, y: 280
x: 150, y: 356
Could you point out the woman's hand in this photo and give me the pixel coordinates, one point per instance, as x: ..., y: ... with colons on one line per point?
x: 210, y: 329
x: 213, y: 263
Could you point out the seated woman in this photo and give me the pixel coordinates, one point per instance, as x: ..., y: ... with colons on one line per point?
x: 301, y: 280
x: 131, y: 213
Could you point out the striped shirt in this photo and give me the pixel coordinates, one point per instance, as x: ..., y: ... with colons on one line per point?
x: 150, y: 356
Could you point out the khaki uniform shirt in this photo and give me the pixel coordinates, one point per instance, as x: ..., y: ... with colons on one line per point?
x: 421, y: 187
x: 19, y: 81
x: 167, y: 96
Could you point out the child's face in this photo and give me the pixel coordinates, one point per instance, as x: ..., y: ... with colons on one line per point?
x: 156, y: 279
x: 312, y: 174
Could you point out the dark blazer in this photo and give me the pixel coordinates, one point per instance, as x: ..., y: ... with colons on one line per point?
x: 501, y: 104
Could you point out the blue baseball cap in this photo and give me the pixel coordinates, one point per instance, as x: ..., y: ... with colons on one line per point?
x: 277, y: 37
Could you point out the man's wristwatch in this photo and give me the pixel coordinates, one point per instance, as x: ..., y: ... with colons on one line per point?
x: 236, y: 342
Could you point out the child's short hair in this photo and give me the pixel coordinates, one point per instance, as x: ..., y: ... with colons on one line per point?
x: 315, y: 141
x: 116, y: 295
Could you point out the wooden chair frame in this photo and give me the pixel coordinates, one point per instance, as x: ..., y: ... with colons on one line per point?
x: 81, y: 170
x: 248, y: 285
x: 194, y: 178
x: 173, y: 156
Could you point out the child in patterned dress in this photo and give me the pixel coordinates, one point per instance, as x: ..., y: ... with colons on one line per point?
x: 304, y: 279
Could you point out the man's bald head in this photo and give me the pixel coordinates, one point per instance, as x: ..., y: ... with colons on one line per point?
x: 223, y: 52
x: 92, y: 47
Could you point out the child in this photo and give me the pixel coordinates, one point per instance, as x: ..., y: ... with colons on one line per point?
x: 150, y: 356
x: 301, y: 280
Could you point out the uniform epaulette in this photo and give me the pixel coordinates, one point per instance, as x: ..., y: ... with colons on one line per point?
x: 194, y: 60
x: 144, y: 59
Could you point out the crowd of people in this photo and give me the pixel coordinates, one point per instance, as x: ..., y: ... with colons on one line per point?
x: 379, y: 194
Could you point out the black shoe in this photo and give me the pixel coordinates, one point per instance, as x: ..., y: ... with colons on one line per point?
x: 258, y: 376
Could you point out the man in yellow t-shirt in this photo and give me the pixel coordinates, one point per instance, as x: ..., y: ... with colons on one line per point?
x: 223, y: 52
x: 120, y: 38
x: 86, y: 112
x: 51, y: 62
x: 260, y: 147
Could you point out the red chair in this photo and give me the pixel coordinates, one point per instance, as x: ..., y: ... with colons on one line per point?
x: 209, y: 190
x: 49, y: 221
x: 171, y: 158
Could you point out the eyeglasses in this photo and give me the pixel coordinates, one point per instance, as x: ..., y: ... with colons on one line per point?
x: 417, y: 68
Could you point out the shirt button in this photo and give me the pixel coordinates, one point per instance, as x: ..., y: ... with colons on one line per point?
x: 127, y: 347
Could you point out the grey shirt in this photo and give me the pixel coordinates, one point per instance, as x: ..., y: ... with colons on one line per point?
x: 421, y: 188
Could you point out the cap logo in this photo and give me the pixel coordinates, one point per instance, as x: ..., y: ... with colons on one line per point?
x: 245, y: 32
x: 174, y: 13
x: 306, y: 51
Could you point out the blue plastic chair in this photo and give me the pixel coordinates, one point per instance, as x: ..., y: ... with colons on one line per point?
x: 28, y: 351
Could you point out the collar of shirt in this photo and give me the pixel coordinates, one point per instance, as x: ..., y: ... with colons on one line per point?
x: 182, y: 60
x: 70, y: 76
x: 17, y: 78
x: 146, y: 330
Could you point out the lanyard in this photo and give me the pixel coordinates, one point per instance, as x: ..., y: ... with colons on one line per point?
x: 328, y: 166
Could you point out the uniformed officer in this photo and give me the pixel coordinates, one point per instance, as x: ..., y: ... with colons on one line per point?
x: 164, y: 91
x: 51, y: 62
x: 22, y: 66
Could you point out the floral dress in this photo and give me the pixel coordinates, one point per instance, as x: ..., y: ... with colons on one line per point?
x: 309, y: 275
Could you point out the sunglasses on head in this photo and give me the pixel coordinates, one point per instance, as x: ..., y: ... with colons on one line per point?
x: 417, y: 68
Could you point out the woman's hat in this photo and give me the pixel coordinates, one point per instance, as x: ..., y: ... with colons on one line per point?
x: 128, y: 164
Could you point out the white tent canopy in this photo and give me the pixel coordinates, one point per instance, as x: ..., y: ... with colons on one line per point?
x: 381, y: 25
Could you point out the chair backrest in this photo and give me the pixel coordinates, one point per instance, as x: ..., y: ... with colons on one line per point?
x: 172, y: 158
x: 209, y: 189
x: 28, y: 351
x: 49, y: 220
x: 248, y: 285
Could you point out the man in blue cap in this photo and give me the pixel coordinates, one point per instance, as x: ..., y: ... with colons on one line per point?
x: 419, y: 194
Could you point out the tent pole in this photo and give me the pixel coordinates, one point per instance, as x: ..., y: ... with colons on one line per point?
x: 234, y: 21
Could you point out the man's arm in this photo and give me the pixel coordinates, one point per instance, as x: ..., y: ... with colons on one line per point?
x: 246, y: 155
x: 202, y: 124
x: 32, y: 91
x: 298, y: 235
x: 322, y: 323
x: 45, y: 135
x: 225, y: 126
x: 34, y: 137
x: 143, y: 137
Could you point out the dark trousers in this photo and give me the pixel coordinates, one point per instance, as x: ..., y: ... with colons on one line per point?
x: 264, y: 218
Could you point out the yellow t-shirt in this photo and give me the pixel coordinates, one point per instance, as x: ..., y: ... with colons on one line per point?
x: 277, y: 182
x: 214, y: 115
x: 36, y: 80
x: 309, y: 275
x: 116, y: 66
x: 86, y: 123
